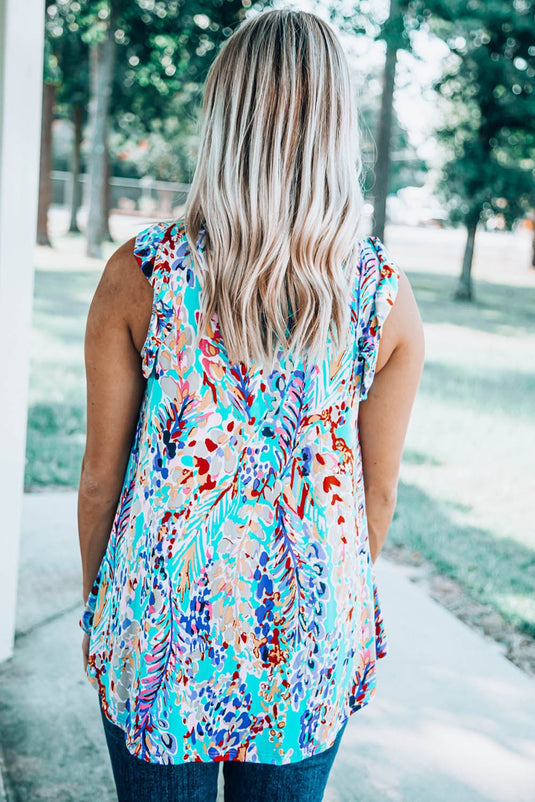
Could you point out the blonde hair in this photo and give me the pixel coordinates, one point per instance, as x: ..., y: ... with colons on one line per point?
x: 276, y: 189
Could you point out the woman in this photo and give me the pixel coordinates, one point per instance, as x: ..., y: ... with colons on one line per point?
x: 232, y: 614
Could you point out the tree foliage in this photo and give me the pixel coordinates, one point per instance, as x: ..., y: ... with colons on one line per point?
x: 489, y: 105
x: 162, y: 52
x: 393, y: 28
x: 489, y: 133
x: 163, y: 49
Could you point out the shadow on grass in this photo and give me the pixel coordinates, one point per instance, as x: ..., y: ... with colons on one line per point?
x: 414, y: 457
x: 497, y: 571
x: 497, y: 309
x: 55, y: 445
x: 62, y: 296
x: 504, y: 392
x: 61, y: 300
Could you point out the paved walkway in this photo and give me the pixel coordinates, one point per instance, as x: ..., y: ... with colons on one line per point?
x: 452, y: 720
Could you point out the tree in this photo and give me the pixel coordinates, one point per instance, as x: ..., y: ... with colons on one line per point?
x: 73, y: 93
x: 102, y: 61
x: 407, y: 168
x: 160, y: 51
x: 68, y: 55
x: 394, y: 34
x: 45, y: 163
x: 403, y: 17
x: 50, y: 81
x: 489, y: 136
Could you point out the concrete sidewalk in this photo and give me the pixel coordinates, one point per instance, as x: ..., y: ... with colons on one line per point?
x: 452, y: 720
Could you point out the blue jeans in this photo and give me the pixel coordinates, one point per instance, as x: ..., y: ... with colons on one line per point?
x: 137, y: 780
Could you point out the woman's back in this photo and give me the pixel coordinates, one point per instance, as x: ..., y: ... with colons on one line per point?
x: 236, y: 613
x: 251, y: 370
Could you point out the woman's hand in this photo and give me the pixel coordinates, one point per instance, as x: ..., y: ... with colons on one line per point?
x: 85, y: 650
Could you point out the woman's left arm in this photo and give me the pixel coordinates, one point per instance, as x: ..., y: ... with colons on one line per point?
x: 117, y: 323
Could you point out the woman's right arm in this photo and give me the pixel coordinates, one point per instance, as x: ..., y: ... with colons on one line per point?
x: 384, y: 415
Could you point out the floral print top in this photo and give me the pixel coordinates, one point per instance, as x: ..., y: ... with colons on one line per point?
x: 235, y: 613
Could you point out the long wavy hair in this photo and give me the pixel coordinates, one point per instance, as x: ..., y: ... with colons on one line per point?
x: 277, y: 190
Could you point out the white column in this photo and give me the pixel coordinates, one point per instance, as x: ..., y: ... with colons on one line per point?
x: 21, y: 76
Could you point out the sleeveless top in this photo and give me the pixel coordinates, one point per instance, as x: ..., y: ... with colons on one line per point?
x: 235, y: 613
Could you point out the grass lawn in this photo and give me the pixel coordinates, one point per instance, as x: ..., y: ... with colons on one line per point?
x: 466, y: 489
x: 65, y: 280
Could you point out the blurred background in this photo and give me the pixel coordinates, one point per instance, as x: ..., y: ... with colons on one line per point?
x: 447, y: 125
x: 447, y: 113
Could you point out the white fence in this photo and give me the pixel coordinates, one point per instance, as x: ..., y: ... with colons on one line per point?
x: 145, y: 194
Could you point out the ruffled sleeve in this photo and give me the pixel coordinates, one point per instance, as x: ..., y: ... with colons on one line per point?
x: 155, y: 267
x: 378, y: 287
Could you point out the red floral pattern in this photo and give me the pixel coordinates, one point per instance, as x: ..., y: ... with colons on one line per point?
x: 235, y: 614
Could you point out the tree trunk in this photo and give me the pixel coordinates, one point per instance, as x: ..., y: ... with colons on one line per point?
x: 76, y: 191
x: 106, y: 200
x: 102, y: 57
x: 384, y: 136
x: 45, y: 164
x: 464, y: 291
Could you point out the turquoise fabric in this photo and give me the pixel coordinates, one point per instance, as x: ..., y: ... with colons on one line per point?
x: 235, y: 614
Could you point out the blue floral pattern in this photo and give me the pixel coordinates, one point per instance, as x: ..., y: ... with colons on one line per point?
x: 235, y: 614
